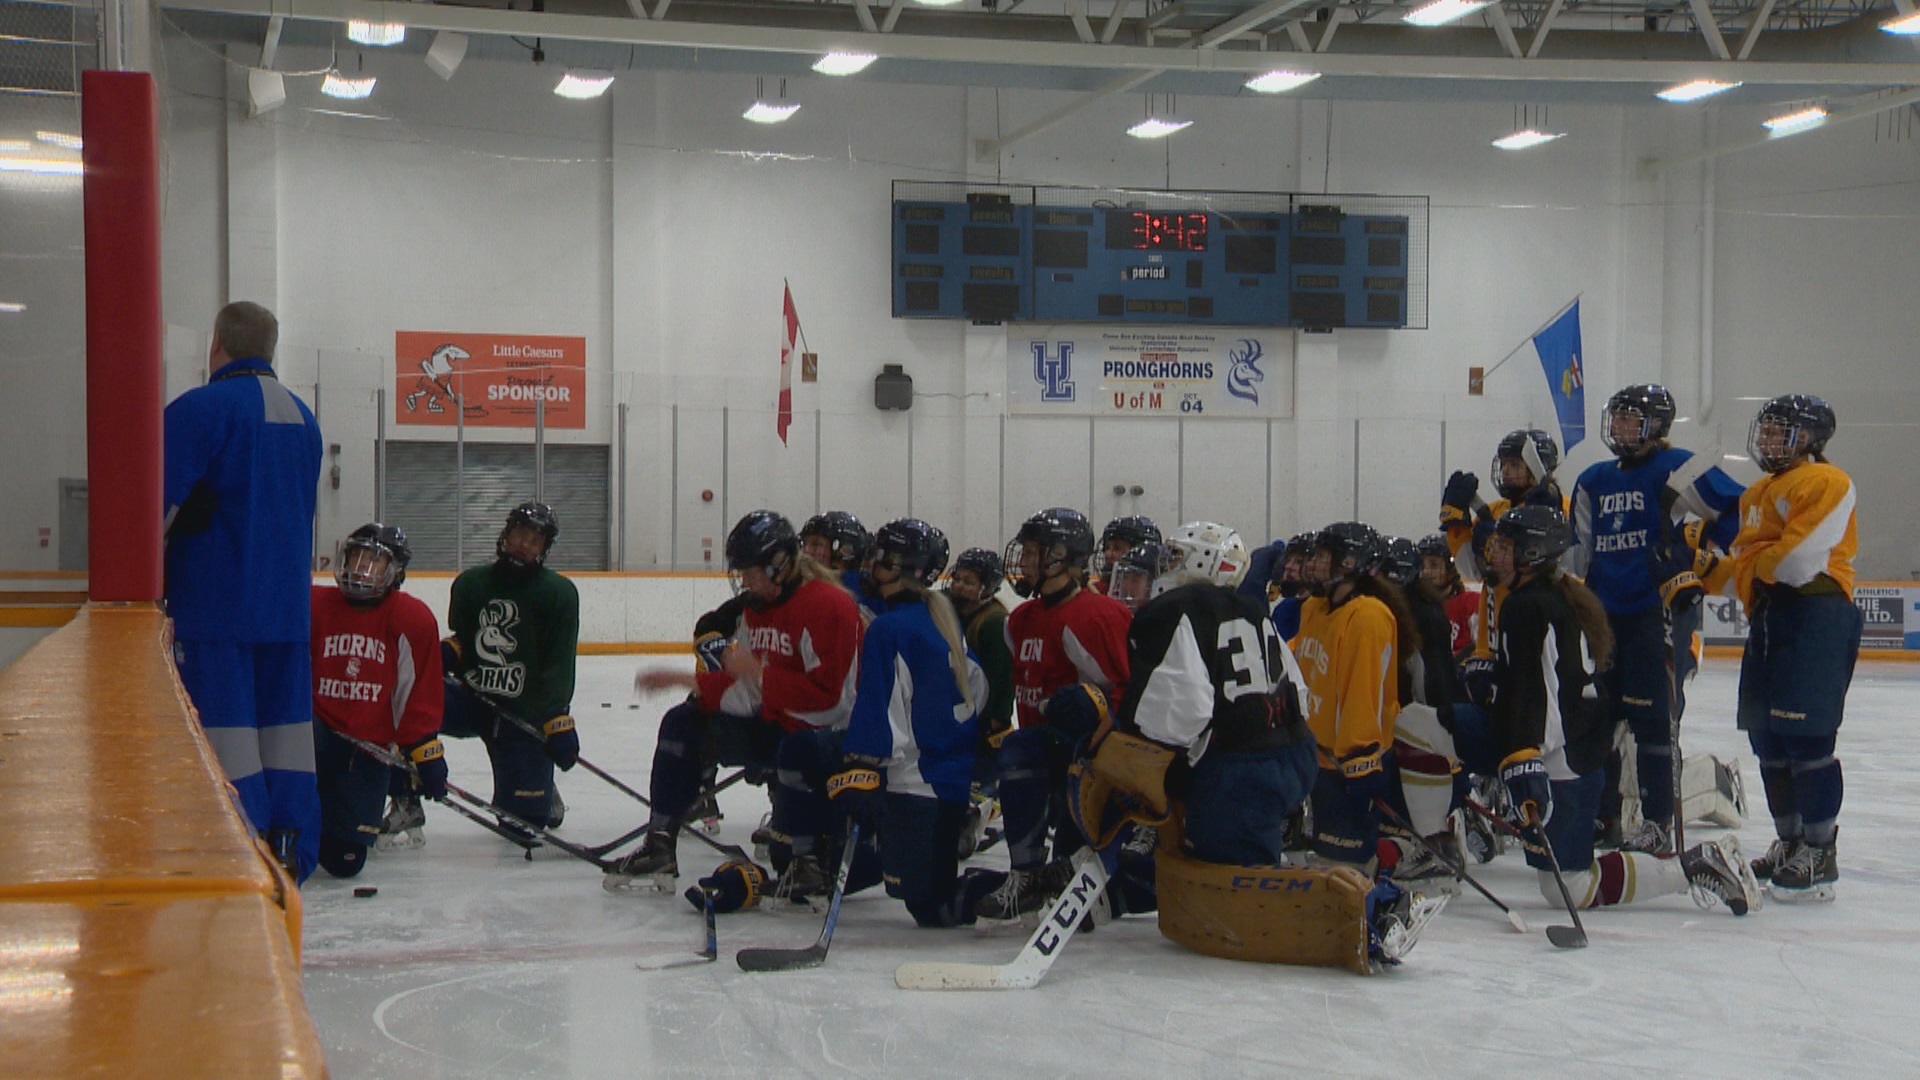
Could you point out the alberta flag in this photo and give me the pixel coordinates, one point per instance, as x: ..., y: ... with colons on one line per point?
x: 1559, y: 349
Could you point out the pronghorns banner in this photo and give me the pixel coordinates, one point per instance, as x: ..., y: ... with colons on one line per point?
x: 1150, y: 371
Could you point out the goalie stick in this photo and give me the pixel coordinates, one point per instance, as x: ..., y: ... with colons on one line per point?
x: 816, y: 954
x: 1027, y: 969
x: 1513, y: 917
x: 731, y: 851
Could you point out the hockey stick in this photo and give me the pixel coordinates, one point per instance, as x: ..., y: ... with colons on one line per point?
x: 1676, y: 763
x: 635, y: 834
x: 1513, y: 917
x: 395, y: 761
x: 707, y: 955
x: 731, y: 851
x: 1565, y: 937
x: 816, y: 954
x: 1027, y: 969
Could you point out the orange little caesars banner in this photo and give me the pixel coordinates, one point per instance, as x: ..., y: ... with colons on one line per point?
x: 501, y: 378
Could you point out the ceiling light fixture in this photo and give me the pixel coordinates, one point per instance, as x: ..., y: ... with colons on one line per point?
x: 844, y: 63
x: 60, y: 139
x: 1160, y: 124
x: 1520, y: 140
x: 336, y: 85
x: 1279, y: 82
x: 372, y: 33
x: 940, y: 3
x: 12, y: 308
x: 1905, y: 24
x: 1796, y: 121
x: 584, y: 84
x: 1440, y: 12
x: 776, y: 111
x: 14, y: 146
x: 1695, y: 90
x: 42, y: 166
x: 446, y: 52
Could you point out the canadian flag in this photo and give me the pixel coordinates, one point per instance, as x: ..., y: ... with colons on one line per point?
x: 790, y: 329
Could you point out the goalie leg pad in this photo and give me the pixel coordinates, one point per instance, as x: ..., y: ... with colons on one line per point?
x: 1124, y: 781
x: 1711, y: 790
x: 1316, y: 918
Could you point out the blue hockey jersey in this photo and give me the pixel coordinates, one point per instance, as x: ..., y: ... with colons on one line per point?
x: 242, y: 475
x: 1624, y: 511
x: 908, y: 712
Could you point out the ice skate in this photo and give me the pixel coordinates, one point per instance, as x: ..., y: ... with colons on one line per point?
x: 803, y: 886
x: 1024, y: 894
x: 1422, y: 870
x: 1717, y: 871
x: 557, y: 810
x: 707, y: 816
x: 1649, y: 839
x: 654, y: 865
x: 1778, y: 854
x: 1397, y: 926
x: 1809, y: 876
x: 404, y: 826
x: 762, y: 839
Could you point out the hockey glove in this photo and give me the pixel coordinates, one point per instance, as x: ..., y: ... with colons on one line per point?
x: 430, y: 766
x: 1261, y: 569
x: 1479, y: 680
x: 1364, y: 777
x: 1077, y: 712
x: 1456, y: 502
x: 1682, y: 565
x: 856, y: 791
x: 993, y: 732
x: 563, y: 743
x: 708, y: 650
x: 735, y: 886
x: 1527, y: 785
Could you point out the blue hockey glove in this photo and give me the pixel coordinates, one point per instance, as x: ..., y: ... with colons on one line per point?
x: 734, y: 886
x: 1456, y: 501
x: 857, y: 792
x: 1479, y: 680
x: 1076, y: 712
x: 430, y: 765
x: 1264, y: 566
x: 1527, y: 785
x: 563, y: 742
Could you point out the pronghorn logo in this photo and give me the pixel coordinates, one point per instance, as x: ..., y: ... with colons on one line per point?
x: 1243, y: 378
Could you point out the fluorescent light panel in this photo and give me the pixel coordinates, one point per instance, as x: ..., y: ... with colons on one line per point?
x: 940, y: 3
x: 844, y: 63
x: 14, y: 146
x: 370, y: 33
x: 771, y: 112
x: 1158, y: 127
x: 1520, y: 140
x: 1905, y: 24
x: 59, y: 138
x: 1442, y: 11
x: 1795, y: 121
x: 42, y: 166
x: 1695, y: 90
x: 11, y: 308
x: 581, y: 85
x: 1279, y: 82
x: 339, y: 86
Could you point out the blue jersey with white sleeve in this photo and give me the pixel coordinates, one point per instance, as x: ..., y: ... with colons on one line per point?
x: 1624, y: 511
x: 242, y: 475
x: 909, y: 713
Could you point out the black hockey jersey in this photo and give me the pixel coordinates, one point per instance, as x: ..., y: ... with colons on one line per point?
x: 1209, y: 672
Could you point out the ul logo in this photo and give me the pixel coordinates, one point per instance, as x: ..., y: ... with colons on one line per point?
x: 1053, y: 373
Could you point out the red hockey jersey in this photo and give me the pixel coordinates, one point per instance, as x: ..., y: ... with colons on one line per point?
x: 376, y: 670
x: 809, y: 644
x: 1080, y: 639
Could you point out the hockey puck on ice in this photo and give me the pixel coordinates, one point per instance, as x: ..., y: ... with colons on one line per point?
x: 365, y: 891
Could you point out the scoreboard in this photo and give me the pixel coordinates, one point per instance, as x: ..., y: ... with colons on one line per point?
x: 994, y: 257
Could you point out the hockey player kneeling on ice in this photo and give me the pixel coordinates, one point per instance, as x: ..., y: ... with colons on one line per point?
x: 1549, y: 723
x: 1216, y: 724
x: 789, y: 674
x: 376, y: 677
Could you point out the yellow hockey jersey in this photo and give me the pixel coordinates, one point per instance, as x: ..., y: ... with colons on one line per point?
x: 1794, y: 526
x: 1352, y: 695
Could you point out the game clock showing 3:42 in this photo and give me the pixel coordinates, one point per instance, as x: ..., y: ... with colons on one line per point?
x: 1064, y: 255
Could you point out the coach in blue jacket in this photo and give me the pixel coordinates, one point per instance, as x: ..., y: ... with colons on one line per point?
x: 242, y: 475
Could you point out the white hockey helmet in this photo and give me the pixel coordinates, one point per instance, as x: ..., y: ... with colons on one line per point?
x: 1205, y: 551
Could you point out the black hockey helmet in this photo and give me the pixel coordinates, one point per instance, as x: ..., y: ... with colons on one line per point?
x: 846, y: 537
x: 1065, y: 539
x: 918, y: 549
x: 1649, y: 403
x: 1132, y: 530
x: 1401, y: 563
x: 986, y: 566
x: 537, y: 516
x: 1540, y: 534
x: 1435, y: 545
x: 358, y: 564
x: 1356, y: 546
x: 763, y: 538
x: 1150, y: 561
x: 1804, y: 424
x: 1535, y: 449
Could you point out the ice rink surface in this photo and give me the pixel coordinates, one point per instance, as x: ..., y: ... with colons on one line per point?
x: 472, y: 962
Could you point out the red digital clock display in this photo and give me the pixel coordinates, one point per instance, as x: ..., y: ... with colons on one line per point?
x: 1150, y: 230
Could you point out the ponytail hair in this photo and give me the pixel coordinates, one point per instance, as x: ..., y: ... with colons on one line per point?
x: 947, y: 621
x: 1591, y: 616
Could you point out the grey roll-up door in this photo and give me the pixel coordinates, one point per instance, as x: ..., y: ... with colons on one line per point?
x: 499, y: 477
